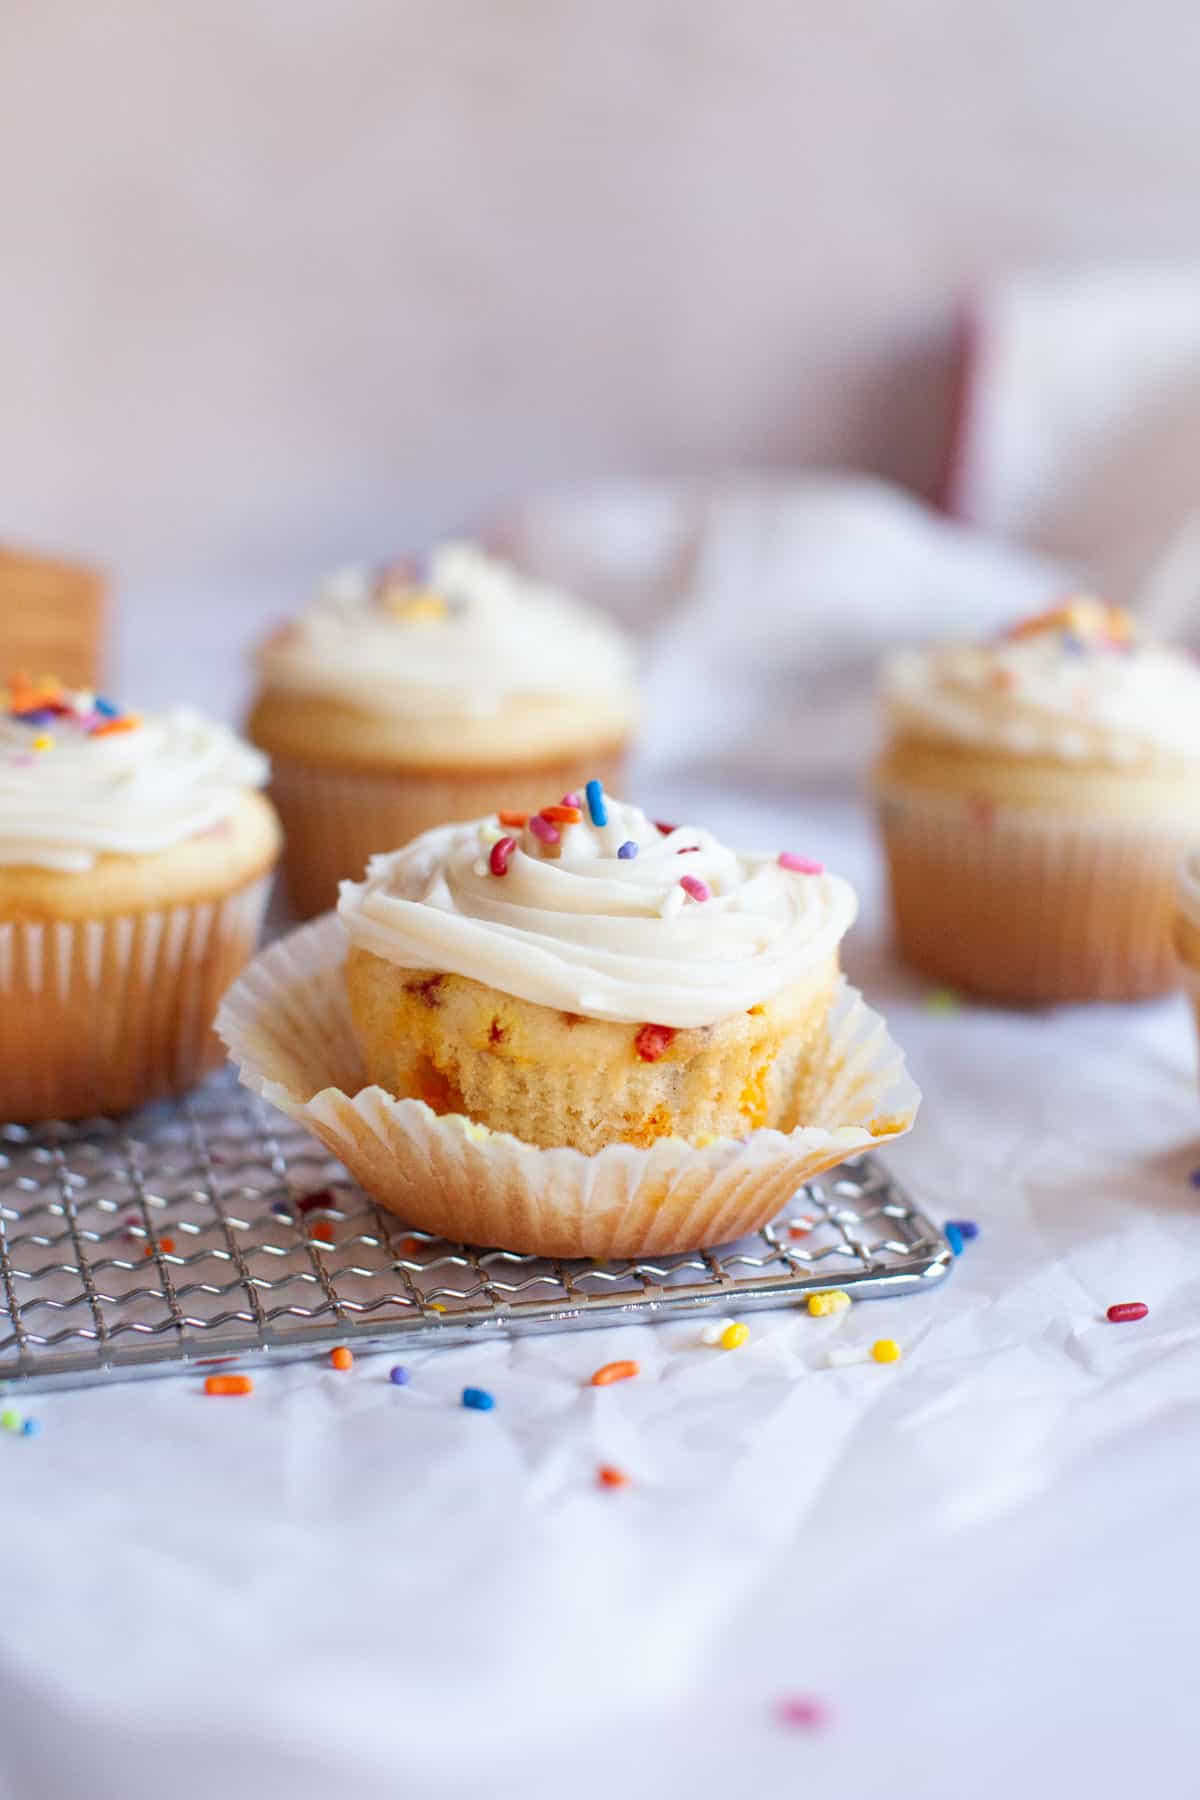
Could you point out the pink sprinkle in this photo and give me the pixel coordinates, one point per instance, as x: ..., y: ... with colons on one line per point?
x: 806, y: 1714
x: 803, y: 865
x: 502, y: 849
x: 572, y: 800
x: 699, y: 890
x: 543, y: 829
x: 22, y: 762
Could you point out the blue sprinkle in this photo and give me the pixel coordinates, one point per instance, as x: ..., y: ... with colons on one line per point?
x: 966, y: 1228
x: 595, y: 801
x: 40, y: 715
x: 399, y: 1377
x: 31, y: 1427
x: 479, y: 1399
x: 954, y: 1238
x: 1075, y: 646
x: 1194, y: 1178
x: 281, y: 1209
x: 628, y: 850
x: 106, y: 708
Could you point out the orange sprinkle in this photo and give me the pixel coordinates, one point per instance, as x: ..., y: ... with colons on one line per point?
x: 607, y: 1476
x: 410, y: 1246
x: 130, y: 722
x: 615, y: 1371
x: 513, y: 818
x: 228, y: 1384
x: 562, y: 815
x: 341, y: 1358
x: 322, y: 1230
x: 167, y: 1245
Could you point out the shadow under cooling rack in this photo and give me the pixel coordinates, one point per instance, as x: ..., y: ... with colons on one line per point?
x: 214, y: 1231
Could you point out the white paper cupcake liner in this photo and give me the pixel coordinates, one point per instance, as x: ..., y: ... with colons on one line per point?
x: 287, y: 1025
x: 101, y: 1015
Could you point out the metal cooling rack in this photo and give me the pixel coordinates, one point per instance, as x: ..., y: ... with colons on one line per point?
x: 216, y: 1232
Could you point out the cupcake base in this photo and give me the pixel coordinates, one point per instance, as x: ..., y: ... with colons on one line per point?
x: 288, y: 1027
x: 1015, y: 907
x: 105, y: 1014
x: 336, y: 818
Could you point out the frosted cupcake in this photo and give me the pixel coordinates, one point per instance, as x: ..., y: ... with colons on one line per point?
x: 577, y: 1034
x: 1036, y: 795
x: 412, y: 696
x: 135, y: 856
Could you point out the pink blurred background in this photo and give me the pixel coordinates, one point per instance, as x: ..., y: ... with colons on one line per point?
x: 288, y: 281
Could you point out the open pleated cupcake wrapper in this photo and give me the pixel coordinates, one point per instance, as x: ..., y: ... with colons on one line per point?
x: 287, y: 1024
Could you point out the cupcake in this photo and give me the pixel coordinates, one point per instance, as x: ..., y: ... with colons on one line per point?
x: 1035, y: 797
x: 411, y: 696
x: 135, y: 857
x: 575, y: 1032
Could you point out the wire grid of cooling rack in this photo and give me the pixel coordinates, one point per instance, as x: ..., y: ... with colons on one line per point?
x: 214, y: 1232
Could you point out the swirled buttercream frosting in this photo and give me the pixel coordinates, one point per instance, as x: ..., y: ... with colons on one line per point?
x: 80, y: 778
x: 620, y: 919
x: 461, y: 635
x: 1077, y: 683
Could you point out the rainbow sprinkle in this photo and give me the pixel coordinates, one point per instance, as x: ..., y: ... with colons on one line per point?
x: 597, y: 810
x: 544, y: 831
x: 72, y: 712
x: 800, y: 865
x: 692, y: 884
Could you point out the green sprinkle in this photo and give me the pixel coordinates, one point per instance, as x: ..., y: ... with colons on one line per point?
x: 10, y: 1419
x: 942, y: 1001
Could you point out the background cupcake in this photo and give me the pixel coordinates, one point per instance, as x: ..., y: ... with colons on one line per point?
x: 1187, y: 930
x: 135, y: 858
x: 1035, y: 796
x: 407, y: 698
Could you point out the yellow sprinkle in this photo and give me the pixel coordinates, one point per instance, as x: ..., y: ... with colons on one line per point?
x: 43, y: 741
x: 833, y: 1300
x: 885, y: 1350
x: 417, y: 606
x: 436, y: 1306
x: 733, y: 1337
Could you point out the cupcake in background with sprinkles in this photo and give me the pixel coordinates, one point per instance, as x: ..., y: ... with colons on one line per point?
x: 427, y: 692
x: 576, y: 1032
x: 1035, y: 797
x: 135, y: 856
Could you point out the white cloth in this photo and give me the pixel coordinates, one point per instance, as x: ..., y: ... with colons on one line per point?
x: 1078, y: 428
x: 982, y: 1558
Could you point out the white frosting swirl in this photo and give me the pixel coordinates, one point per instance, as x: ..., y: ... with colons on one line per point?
x: 597, y: 934
x: 125, y: 792
x: 467, y: 637
x: 1059, y: 687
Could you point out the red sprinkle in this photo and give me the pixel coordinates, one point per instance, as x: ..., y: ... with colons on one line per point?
x: 502, y: 850
x: 653, y: 1041
x: 319, y: 1197
x: 699, y: 890
x: 544, y: 830
x: 1127, y: 1309
x: 661, y: 825
x: 322, y: 1231
x: 609, y: 1477
x: 800, y: 865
